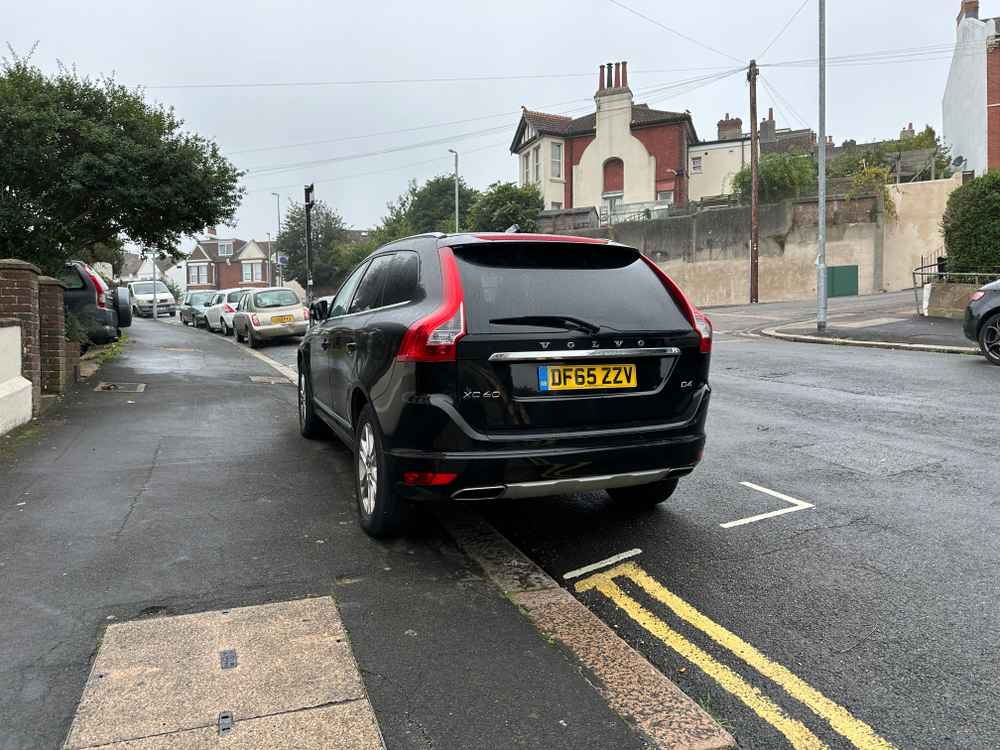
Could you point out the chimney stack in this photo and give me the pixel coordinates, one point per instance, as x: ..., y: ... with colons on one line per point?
x: 907, y: 132
x: 600, y: 79
x: 768, y: 128
x: 969, y: 9
x: 730, y: 128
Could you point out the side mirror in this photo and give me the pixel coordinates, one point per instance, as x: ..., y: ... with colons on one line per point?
x: 319, y: 309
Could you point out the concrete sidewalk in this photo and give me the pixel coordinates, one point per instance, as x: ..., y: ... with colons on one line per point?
x: 143, y: 535
x: 887, y: 332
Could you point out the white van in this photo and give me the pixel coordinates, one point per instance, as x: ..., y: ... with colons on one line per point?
x: 141, y: 294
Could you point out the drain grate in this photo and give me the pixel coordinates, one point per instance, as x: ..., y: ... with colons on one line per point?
x: 121, y: 387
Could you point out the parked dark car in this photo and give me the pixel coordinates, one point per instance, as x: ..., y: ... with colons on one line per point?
x: 192, y: 308
x: 101, y: 310
x: 473, y: 367
x: 982, y: 320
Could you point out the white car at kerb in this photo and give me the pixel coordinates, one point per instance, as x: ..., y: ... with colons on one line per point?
x: 141, y: 294
x: 219, y: 314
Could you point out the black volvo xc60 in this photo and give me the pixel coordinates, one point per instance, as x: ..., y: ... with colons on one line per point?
x: 480, y: 366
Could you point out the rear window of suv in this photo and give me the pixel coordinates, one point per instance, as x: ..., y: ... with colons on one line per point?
x: 605, y: 285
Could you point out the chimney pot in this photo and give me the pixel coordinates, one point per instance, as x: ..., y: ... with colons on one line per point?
x: 969, y: 9
x: 608, y: 67
x: 618, y: 75
x: 600, y: 79
x: 770, y: 113
x: 624, y: 74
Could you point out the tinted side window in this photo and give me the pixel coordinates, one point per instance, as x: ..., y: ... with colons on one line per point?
x: 71, y: 278
x: 338, y: 306
x: 370, y: 290
x: 401, y: 284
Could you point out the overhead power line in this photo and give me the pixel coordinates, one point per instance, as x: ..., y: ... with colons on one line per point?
x: 784, y: 102
x: 675, y: 32
x: 907, y: 54
x: 784, y: 28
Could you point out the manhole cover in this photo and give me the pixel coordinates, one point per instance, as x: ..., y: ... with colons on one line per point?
x: 269, y: 380
x: 121, y: 387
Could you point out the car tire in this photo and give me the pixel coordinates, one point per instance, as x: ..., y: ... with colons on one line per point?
x: 310, y: 425
x: 252, y: 340
x: 989, y: 339
x: 380, y: 511
x: 644, y: 495
x: 226, y: 330
x: 123, y: 307
x: 173, y: 313
x: 237, y: 335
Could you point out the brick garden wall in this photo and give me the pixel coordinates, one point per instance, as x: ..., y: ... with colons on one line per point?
x: 19, y: 299
x: 52, y: 335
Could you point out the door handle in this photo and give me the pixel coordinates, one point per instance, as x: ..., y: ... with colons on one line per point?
x: 324, y: 343
x: 350, y: 347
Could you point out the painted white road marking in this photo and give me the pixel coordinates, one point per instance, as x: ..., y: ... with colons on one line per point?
x: 796, y: 504
x: 602, y: 563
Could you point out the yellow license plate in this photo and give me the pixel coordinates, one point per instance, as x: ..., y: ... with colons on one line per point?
x: 585, y: 377
x: 282, y: 318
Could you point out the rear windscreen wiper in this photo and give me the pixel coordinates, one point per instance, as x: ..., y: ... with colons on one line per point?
x: 551, y: 321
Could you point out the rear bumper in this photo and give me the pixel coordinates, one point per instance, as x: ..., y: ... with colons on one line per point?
x: 554, y: 466
x: 282, y: 330
x: 970, y: 324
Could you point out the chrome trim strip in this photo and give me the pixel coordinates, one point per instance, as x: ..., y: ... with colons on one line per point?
x: 650, y: 351
x: 566, y: 486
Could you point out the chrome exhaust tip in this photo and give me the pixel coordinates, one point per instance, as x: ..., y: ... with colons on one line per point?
x: 479, y: 493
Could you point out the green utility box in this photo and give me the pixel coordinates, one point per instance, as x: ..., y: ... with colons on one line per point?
x: 842, y: 281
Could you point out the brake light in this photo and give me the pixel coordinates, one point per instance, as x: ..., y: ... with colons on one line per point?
x: 305, y: 313
x: 228, y: 308
x: 255, y: 320
x: 698, y: 320
x: 99, y: 285
x: 428, y: 478
x: 977, y: 295
x: 435, y: 337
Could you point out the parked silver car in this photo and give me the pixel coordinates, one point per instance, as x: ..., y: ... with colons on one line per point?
x: 272, y: 313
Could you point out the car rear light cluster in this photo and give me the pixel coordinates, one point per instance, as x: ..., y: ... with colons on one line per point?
x: 254, y: 320
x: 434, y: 338
x: 698, y: 320
x: 228, y: 308
x: 305, y: 313
x: 99, y: 285
x: 977, y: 295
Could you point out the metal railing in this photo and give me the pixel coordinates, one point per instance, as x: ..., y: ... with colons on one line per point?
x: 938, y: 272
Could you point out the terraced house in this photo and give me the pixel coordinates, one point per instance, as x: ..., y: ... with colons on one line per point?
x: 623, y: 158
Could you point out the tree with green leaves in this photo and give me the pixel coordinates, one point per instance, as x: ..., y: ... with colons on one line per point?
x: 88, y: 164
x: 431, y: 207
x: 781, y: 176
x: 854, y: 158
x: 971, y: 225
x: 504, y: 204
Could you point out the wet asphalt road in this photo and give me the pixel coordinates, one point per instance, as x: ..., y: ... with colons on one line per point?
x: 883, y: 597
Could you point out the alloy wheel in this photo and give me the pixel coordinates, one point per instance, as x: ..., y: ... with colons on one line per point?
x: 991, y: 338
x: 302, y: 399
x: 367, y: 469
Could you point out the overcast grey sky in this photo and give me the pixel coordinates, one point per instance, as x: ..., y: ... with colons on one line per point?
x: 223, y: 41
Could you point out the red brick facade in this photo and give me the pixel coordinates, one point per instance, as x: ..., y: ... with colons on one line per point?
x: 668, y: 143
x: 993, y: 107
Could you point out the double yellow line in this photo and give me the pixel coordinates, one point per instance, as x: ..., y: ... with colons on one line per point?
x: 840, y: 720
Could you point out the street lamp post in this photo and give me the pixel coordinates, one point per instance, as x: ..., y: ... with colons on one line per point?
x: 309, y: 275
x: 453, y: 151
x: 821, y: 290
x: 277, y: 200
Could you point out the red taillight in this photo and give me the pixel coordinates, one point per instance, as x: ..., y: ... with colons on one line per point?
x: 99, y: 285
x: 427, y: 478
x: 977, y: 295
x: 305, y: 313
x: 698, y: 320
x: 435, y: 337
x: 228, y: 308
x: 255, y: 320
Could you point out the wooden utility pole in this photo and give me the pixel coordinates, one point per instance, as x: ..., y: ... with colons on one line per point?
x: 754, y: 184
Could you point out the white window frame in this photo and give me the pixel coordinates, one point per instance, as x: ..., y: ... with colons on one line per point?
x: 696, y: 162
x: 200, y: 273
x: 669, y: 201
x: 253, y: 270
x: 225, y: 244
x: 526, y: 164
x: 537, y: 157
x: 557, y: 158
x: 556, y: 206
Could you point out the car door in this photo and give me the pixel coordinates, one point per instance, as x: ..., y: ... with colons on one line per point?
x: 349, y: 339
x: 321, y: 337
x: 213, y: 313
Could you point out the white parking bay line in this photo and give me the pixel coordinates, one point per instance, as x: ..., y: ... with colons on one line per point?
x: 796, y: 504
x: 602, y: 563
